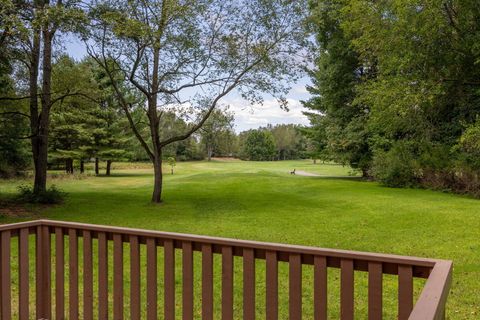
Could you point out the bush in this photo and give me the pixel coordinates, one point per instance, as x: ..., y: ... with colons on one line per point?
x: 51, y: 196
x: 396, y: 168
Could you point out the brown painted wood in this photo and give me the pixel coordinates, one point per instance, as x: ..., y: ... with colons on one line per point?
x: 431, y: 303
x: 117, y: 277
x: 260, y: 247
x: 23, y: 273
x: 346, y: 290
x: 433, y: 298
x: 6, y: 293
x: 102, y: 276
x: 134, y: 278
x: 59, y: 274
x: 151, y: 279
x: 87, y: 276
x: 47, y: 270
x: 271, y: 276
x: 169, y: 273
x: 405, y: 291
x: 207, y: 282
x: 73, y: 274
x: 43, y: 273
x: 227, y: 283
x: 187, y: 283
x: 1, y: 282
x: 295, y: 285
x: 375, y: 290
x: 248, y: 284
x: 39, y: 281
x: 320, y: 285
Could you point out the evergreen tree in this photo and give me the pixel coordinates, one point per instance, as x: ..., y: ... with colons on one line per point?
x: 336, y: 115
x: 89, y: 125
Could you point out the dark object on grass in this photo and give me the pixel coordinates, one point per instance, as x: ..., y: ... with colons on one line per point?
x: 293, y: 172
x: 50, y: 196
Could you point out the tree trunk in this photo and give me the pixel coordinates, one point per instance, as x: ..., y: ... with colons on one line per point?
x: 40, y: 180
x: 96, y: 167
x: 40, y: 121
x: 82, y: 166
x: 109, y: 165
x: 158, y: 179
x: 40, y: 163
x: 69, y: 165
x: 314, y: 161
x: 365, y: 173
x: 209, y: 152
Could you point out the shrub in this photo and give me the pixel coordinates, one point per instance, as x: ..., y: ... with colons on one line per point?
x: 397, y: 167
x: 50, y: 196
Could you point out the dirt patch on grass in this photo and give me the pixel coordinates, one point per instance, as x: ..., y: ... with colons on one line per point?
x: 13, y: 209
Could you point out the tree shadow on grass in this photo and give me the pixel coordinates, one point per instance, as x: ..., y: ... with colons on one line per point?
x: 345, y: 178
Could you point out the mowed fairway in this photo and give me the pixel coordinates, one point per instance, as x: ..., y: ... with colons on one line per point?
x: 262, y: 201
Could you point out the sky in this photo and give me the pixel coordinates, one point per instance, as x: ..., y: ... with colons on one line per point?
x: 247, y: 116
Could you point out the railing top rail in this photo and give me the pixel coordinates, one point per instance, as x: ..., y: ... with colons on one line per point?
x: 432, y: 300
x: 337, y: 253
x: 20, y: 225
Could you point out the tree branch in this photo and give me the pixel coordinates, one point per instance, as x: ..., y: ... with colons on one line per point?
x: 15, y: 113
x: 212, y: 106
x: 101, y: 61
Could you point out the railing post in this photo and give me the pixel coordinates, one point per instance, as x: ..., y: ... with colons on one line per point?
x: 43, y: 274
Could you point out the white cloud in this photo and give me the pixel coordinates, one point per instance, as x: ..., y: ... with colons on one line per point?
x: 253, y: 116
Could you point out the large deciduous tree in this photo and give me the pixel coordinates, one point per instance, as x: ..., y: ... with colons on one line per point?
x: 31, y: 29
x: 185, y: 56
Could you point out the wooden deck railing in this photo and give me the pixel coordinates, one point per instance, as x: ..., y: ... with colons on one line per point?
x: 83, y: 241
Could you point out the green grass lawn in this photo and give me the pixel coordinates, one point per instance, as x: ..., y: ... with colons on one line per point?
x: 262, y: 201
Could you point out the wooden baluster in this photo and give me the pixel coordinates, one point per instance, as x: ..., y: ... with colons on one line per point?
x: 59, y: 274
x: 248, y: 284
x: 272, y: 285
x: 227, y: 283
x: 151, y: 279
x: 102, y: 276
x: 6, y: 301
x: 405, y: 291
x: 375, y: 290
x: 87, y: 276
x: 169, y: 274
x: 117, y: 277
x: 73, y: 274
x: 320, y: 282
x: 207, y: 282
x: 134, y: 278
x: 295, y: 284
x: 23, y: 274
x: 43, y: 274
x: 187, y: 272
x: 346, y: 290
